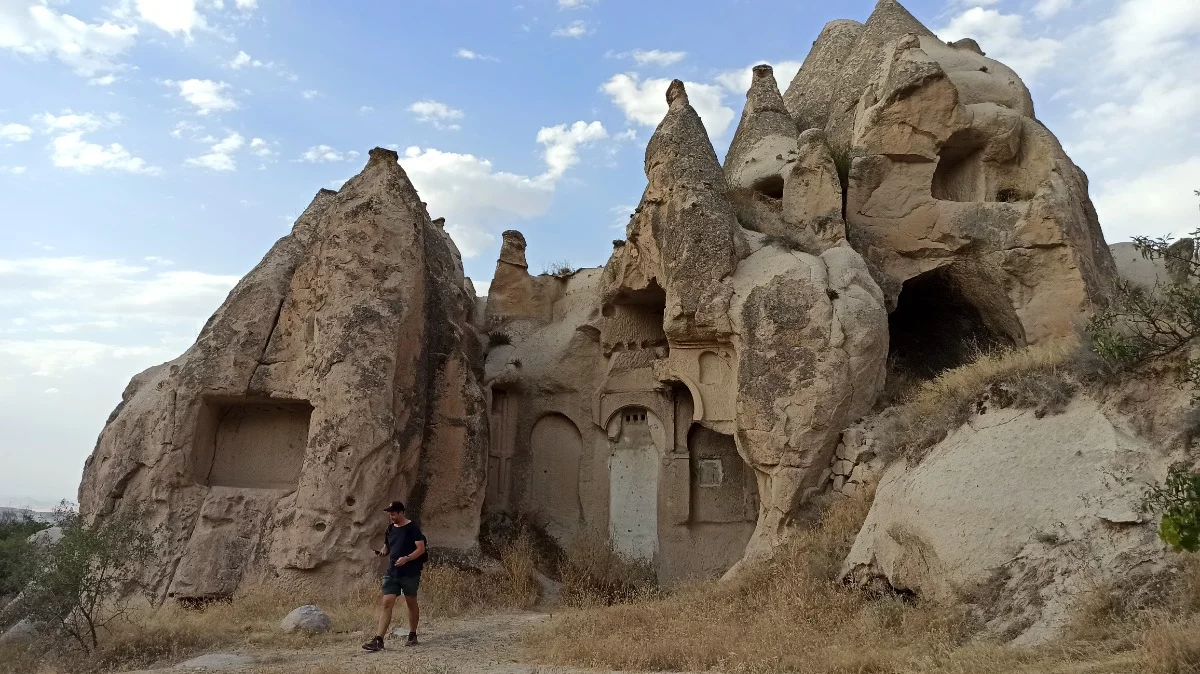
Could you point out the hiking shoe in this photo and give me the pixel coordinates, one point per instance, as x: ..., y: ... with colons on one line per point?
x: 375, y: 644
x: 411, y: 640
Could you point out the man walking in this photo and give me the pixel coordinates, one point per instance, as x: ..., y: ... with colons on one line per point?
x: 404, y: 544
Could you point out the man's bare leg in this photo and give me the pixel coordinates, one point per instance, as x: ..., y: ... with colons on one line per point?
x: 385, y: 614
x: 414, y: 613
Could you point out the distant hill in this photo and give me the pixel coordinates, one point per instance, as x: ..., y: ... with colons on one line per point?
x: 7, y: 514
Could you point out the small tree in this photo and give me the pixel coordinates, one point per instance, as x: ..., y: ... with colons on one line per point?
x: 1178, y: 499
x: 1142, y: 324
x: 83, y: 582
x: 14, y: 550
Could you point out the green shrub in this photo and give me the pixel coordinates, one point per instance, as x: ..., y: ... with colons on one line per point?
x: 14, y: 550
x: 1143, y: 324
x: 82, y: 583
x: 1178, y: 499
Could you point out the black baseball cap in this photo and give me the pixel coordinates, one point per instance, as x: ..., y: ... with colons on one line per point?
x: 396, y: 507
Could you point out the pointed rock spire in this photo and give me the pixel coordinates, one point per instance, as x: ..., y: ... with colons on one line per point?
x: 685, y: 228
x: 765, y: 141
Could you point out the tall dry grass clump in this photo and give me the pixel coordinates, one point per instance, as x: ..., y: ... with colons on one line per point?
x: 792, y: 614
x: 511, y: 585
x: 1043, y: 377
x: 594, y: 574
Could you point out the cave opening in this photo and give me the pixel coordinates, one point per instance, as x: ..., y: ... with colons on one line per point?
x: 769, y: 186
x: 936, y: 327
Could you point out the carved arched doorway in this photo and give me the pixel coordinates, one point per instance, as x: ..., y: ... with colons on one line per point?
x: 633, y: 482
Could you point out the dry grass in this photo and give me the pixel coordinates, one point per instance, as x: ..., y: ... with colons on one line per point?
x: 1041, y: 377
x: 171, y: 633
x: 594, y: 574
x: 452, y: 591
x: 792, y: 615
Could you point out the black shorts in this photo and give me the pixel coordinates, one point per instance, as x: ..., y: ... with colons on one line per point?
x: 401, y: 585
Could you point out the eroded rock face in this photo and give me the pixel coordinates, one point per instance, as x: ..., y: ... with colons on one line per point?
x: 1020, y: 515
x: 950, y: 167
x: 340, y: 373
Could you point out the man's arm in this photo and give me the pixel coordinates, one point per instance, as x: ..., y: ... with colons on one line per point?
x: 413, y: 555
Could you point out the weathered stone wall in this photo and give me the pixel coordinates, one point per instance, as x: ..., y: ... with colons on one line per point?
x: 340, y: 374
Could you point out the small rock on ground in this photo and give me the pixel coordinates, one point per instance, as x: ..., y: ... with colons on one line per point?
x: 307, y: 618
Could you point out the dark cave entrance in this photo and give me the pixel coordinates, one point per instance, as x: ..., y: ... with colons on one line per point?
x: 935, y: 327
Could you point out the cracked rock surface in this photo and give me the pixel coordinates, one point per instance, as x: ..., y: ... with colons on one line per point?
x: 340, y: 373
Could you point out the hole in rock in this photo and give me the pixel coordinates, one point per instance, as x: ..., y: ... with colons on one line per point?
x: 935, y: 327
x: 250, y: 443
x: 635, y: 320
x: 959, y: 175
x: 350, y: 501
x: 319, y: 526
x: 770, y: 186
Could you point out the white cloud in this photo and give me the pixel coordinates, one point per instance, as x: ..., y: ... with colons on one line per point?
x: 1156, y: 202
x: 438, y: 114
x: 186, y: 127
x: 738, y: 81
x: 575, y: 29
x: 207, y: 95
x: 172, y: 16
x: 1144, y: 32
x: 15, y: 133
x: 34, y: 29
x: 657, y: 57
x: 324, y: 153
x: 575, y: 4
x: 70, y: 121
x: 247, y: 5
x: 15, y: 170
x: 310, y: 94
x: 242, y: 60
x: 1002, y: 36
x: 366, y: 110
x: 1046, y: 9
x: 220, y: 155
x: 70, y: 150
x: 474, y: 198
x: 562, y: 144
x: 261, y: 148
x: 104, y: 81
x: 644, y: 102
x: 473, y: 56
x: 477, y: 200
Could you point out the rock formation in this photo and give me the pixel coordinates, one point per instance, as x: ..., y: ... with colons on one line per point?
x: 341, y: 373
x: 1019, y: 515
x: 896, y: 206
x: 949, y: 168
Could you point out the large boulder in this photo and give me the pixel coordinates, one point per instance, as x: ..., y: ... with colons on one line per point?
x: 309, y: 619
x: 1020, y: 514
x: 341, y: 373
x: 950, y: 169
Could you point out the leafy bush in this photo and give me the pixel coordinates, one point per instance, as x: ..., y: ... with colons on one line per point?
x: 81, y: 583
x: 1143, y: 324
x: 14, y: 550
x: 498, y: 339
x: 1178, y: 499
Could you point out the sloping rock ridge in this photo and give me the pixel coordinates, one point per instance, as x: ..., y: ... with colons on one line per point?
x: 341, y: 373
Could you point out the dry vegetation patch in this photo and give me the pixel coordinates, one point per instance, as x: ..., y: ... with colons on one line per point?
x: 172, y: 632
x: 1043, y: 377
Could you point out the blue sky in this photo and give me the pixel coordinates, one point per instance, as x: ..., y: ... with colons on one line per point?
x: 152, y: 150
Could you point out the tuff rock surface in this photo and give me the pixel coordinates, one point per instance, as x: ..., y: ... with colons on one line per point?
x: 1019, y: 515
x: 340, y: 373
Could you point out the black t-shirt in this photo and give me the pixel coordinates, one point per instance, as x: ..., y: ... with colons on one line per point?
x: 402, y: 541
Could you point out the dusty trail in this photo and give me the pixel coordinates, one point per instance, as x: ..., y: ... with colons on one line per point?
x: 473, y: 645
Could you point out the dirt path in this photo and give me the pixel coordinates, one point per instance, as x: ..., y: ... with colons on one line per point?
x: 475, y: 645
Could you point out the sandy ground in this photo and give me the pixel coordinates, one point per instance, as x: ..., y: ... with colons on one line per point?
x: 474, y: 645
